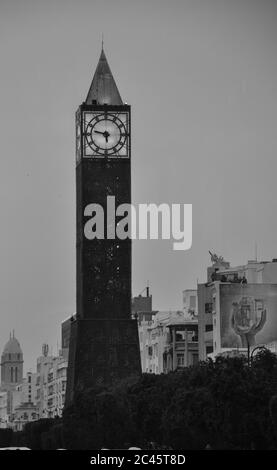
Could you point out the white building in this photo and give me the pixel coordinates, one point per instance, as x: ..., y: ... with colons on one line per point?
x: 50, y: 384
x: 56, y: 387
x: 168, y: 341
x: 237, y: 308
x: 190, y: 302
x: 26, y: 391
x: 3, y: 409
x: 23, y: 414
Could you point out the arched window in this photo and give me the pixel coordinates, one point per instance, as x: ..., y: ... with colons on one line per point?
x: 15, y: 374
x: 11, y: 374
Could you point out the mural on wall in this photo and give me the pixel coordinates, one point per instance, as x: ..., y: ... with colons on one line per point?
x: 248, y: 314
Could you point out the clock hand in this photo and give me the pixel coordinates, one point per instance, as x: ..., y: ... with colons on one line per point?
x: 106, y: 134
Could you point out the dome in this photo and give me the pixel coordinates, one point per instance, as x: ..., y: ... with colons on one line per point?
x: 12, y: 346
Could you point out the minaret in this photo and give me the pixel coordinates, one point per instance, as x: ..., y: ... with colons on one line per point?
x: 104, y: 343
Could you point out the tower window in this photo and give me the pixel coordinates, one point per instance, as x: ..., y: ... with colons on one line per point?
x: 11, y: 374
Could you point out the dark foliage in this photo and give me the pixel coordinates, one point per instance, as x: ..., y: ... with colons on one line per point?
x: 223, y: 404
x: 5, y: 437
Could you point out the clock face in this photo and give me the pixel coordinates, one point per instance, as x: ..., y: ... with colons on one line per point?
x: 106, y: 134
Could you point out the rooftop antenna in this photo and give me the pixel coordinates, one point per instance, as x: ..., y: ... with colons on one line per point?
x: 256, y: 252
x: 102, y: 42
x: 147, y: 289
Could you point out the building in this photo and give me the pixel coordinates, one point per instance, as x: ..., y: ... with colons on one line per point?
x: 168, y: 341
x: 190, y: 302
x: 142, y: 304
x: 51, y: 378
x: 11, y: 368
x: 23, y: 414
x: 104, y: 343
x: 153, y: 337
x: 181, y: 349
x: 143, y: 313
x: 25, y: 392
x: 44, y: 364
x: 255, y: 272
x: 56, y: 387
x: 66, y: 330
x: 3, y: 409
x: 236, y: 308
x: 145, y: 321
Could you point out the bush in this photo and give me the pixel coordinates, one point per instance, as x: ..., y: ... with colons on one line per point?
x: 223, y: 404
x: 37, y: 434
x: 6, y: 437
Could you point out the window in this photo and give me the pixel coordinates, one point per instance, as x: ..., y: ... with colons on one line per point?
x: 194, y: 359
x: 29, y: 379
x: 180, y: 360
x: 208, y: 327
x: 209, y: 349
x: 11, y: 374
x: 208, y: 307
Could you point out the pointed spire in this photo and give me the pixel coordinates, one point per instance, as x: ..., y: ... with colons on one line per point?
x: 103, y: 89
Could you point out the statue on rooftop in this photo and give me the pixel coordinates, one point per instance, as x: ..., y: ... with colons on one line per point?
x: 215, y: 258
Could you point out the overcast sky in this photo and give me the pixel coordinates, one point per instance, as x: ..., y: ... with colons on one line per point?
x: 201, y: 76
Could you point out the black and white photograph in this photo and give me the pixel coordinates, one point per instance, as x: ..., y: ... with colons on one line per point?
x: 138, y: 240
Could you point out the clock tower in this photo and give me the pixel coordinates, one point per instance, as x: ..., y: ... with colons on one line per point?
x: 104, y: 344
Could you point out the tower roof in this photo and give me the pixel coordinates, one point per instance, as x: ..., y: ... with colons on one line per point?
x: 103, y: 88
x: 12, y: 346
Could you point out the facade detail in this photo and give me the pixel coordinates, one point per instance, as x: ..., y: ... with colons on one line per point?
x: 168, y: 341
